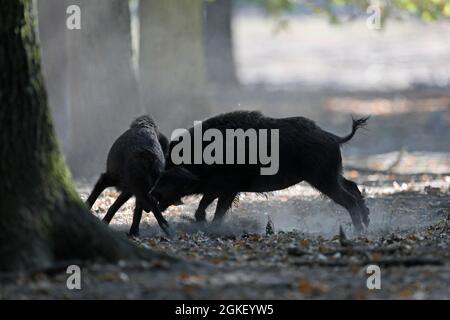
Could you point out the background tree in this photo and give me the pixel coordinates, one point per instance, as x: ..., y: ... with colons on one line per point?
x: 42, y: 219
x: 219, y: 42
x: 53, y: 38
x: 172, y: 65
x: 103, y: 88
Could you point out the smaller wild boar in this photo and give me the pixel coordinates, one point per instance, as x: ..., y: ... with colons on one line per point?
x: 134, y: 165
x: 306, y: 153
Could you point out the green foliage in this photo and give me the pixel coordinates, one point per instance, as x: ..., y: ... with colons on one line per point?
x: 275, y: 7
x: 427, y: 10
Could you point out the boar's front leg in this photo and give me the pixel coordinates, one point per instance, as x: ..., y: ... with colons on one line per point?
x: 149, y: 203
x: 137, y: 216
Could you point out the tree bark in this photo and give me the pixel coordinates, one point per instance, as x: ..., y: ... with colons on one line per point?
x: 104, y: 90
x: 42, y: 219
x: 219, y: 42
x: 52, y: 35
x: 172, y: 64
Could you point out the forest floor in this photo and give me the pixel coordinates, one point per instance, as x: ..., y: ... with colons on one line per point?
x: 305, y: 257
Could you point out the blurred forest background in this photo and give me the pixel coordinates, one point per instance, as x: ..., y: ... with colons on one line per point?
x: 186, y: 60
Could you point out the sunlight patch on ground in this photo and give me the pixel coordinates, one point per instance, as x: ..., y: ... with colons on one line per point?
x: 298, y: 208
x: 403, y: 162
x: 396, y: 201
x: 383, y: 107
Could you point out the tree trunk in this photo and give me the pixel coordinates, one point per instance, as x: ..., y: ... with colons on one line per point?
x: 172, y: 64
x: 104, y: 91
x: 53, y: 37
x: 219, y: 42
x: 42, y: 219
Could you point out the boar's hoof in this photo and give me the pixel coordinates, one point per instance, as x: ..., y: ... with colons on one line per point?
x: 365, y: 217
x: 133, y: 234
x: 358, y: 229
x: 168, y: 231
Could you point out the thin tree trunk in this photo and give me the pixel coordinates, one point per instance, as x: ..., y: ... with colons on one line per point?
x: 219, y: 42
x: 42, y: 219
x: 104, y: 91
x: 172, y: 64
x: 53, y: 37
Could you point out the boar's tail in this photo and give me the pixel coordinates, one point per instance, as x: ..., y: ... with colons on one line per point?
x: 357, y: 123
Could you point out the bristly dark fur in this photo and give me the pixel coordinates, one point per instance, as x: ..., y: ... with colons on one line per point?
x: 144, y: 121
x: 134, y: 166
x: 306, y: 153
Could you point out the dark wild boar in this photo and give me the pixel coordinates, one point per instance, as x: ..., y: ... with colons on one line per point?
x: 306, y: 153
x: 134, y: 166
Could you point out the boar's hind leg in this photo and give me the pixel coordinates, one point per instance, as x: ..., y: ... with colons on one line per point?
x: 120, y: 201
x: 334, y: 189
x: 200, y: 213
x: 353, y: 189
x: 103, y: 182
x: 223, y: 204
